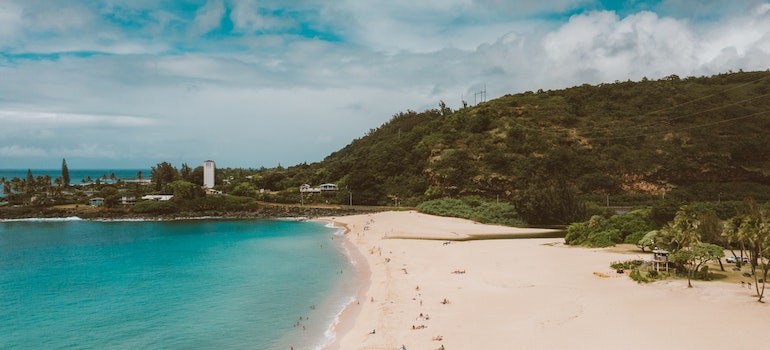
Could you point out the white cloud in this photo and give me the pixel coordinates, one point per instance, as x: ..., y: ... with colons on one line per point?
x: 55, y: 17
x: 10, y: 22
x: 209, y: 17
x: 707, y: 8
x: 18, y: 151
x: 246, y: 17
x: 54, y: 120
x: 86, y: 150
x: 527, y: 8
x: 79, y: 151
x: 600, y: 47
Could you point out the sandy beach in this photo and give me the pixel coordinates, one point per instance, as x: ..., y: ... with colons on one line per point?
x: 426, y: 281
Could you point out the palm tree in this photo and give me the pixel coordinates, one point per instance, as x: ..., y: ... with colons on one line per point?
x: 683, y: 231
x: 6, y: 186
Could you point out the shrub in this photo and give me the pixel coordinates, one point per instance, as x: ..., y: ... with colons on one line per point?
x: 599, y: 231
x: 634, y: 237
x: 577, y: 233
x: 601, y: 239
x: 637, y: 276
x: 220, y: 203
x: 473, y: 208
x: 627, y: 265
x: 624, y: 265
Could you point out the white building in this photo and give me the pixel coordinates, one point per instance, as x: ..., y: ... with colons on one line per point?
x: 208, y: 173
x: 323, y: 187
x: 158, y: 197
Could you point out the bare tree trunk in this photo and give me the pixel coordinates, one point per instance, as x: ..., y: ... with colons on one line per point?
x: 761, y: 292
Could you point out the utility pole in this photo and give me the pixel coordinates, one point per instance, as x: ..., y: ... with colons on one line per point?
x: 482, y: 95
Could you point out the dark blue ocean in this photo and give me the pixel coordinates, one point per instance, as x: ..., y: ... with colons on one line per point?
x: 193, y: 284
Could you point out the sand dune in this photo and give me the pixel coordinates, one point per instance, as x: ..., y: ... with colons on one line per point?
x: 531, y: 293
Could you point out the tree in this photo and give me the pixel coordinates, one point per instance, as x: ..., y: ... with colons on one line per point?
x: 549, y: 202
x: 682, y: 232
x: 6, y: 186
x: 183, y: 190
x: 59, y: 182
x: 244, y: 189
x: 710, y: 231
x: 648, y: 240
x: 65, y: 172
x: 196, y: 176
x: 751, y: 229
x: 694, y: 256
x: 186, y: 172
x: 163, y: 174
x: 30, y: 184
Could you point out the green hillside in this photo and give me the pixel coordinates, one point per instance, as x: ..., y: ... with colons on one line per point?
x: 627, y: 142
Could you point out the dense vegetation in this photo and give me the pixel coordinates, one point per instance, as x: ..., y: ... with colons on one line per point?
x: 473, y: 208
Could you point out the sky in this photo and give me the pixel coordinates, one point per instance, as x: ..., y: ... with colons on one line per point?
x: 127, y: 84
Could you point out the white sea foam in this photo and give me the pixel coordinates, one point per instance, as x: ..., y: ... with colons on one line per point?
x: 330, y: 334
x: 71, y: 218
x: 181, y: 218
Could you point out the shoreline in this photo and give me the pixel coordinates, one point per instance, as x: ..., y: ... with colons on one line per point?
x: 91, y: 213
x: 343, y: 320
x: 533, y: 292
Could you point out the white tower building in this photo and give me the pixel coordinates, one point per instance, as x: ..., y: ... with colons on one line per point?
x: 208, y: 173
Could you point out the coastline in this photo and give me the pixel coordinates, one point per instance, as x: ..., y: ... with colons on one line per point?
x: 532, y: 292
x: 91, y: 213
x: 343, y: 320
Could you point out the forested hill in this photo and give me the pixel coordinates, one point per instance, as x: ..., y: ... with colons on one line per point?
x: 648, y: 137
x: 694, y: 138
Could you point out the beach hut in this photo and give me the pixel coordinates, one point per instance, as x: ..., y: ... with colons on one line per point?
x: 660, y: 258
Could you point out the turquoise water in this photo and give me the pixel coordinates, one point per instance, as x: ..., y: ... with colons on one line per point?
x: 196, y: 284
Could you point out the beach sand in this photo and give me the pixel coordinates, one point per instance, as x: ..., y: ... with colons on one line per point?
x: 531, y: 293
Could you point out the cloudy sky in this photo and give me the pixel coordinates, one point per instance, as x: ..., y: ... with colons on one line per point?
x: 250, y: 83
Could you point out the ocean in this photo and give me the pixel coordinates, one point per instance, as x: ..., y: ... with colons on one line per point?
x: 77, y: 176
x: 190, y: 284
